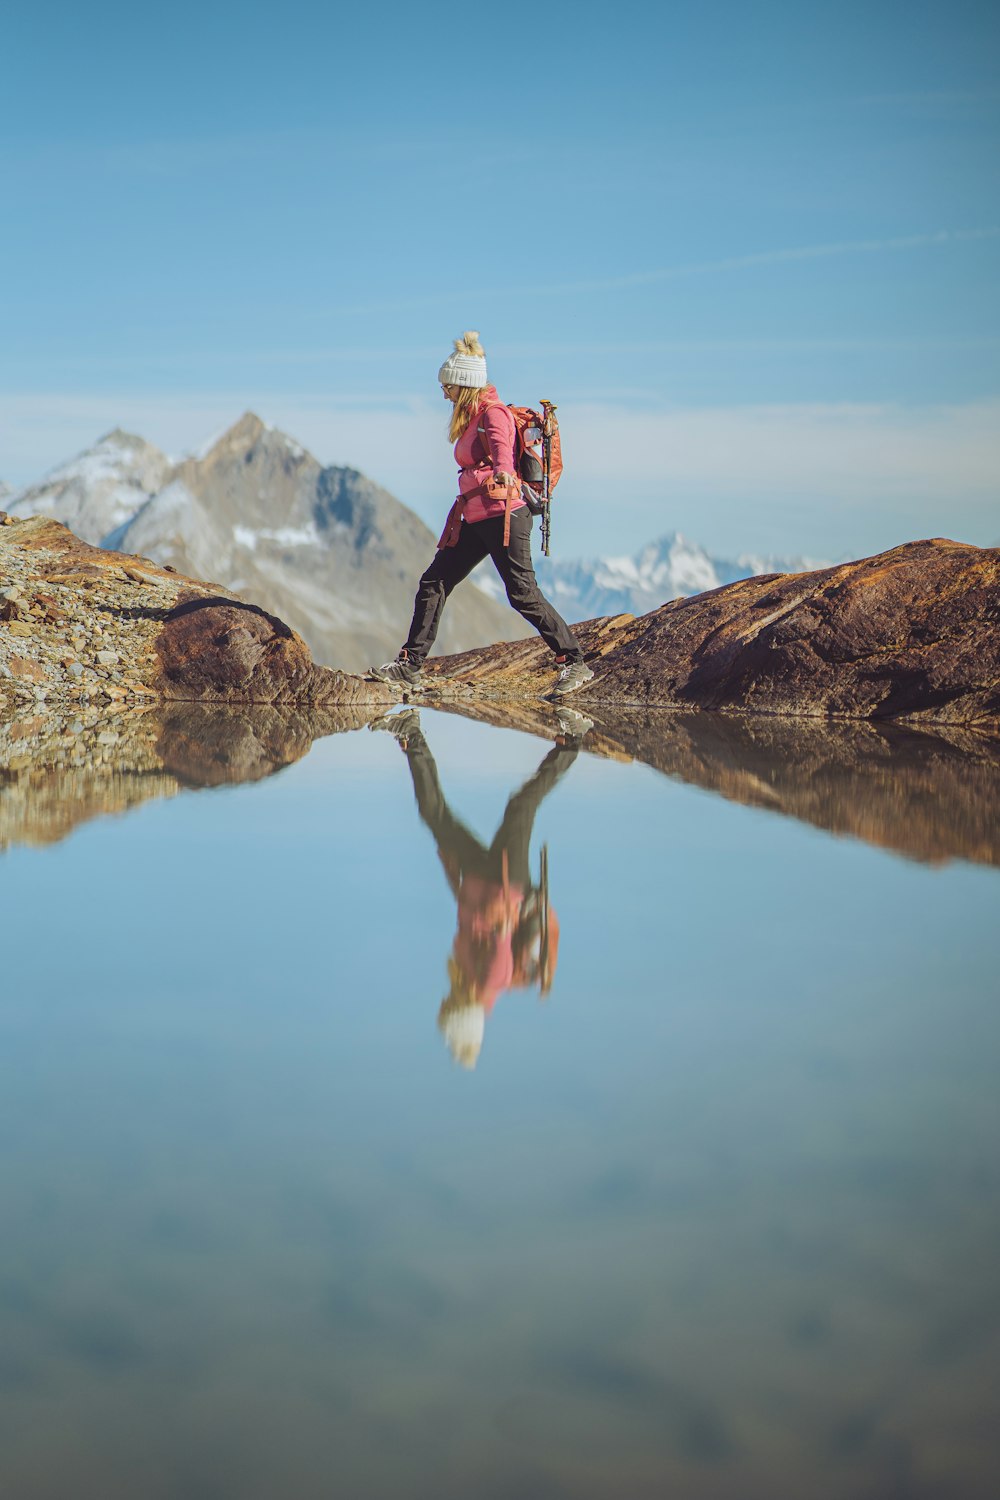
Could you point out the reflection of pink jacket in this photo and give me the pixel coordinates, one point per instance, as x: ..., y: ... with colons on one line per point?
x: 487, y: 918
x: 479, y: 453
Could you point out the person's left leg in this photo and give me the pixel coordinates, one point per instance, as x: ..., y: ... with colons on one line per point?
x: 515, y: 567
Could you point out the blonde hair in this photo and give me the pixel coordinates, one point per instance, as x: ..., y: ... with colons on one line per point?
x: 470, y: 397
x: 461, y: 1018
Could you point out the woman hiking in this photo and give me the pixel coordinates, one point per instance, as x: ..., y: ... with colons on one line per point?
x: 483, y: 432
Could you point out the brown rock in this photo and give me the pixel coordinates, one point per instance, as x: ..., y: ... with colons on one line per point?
x: 182, y: 639
x: 910, y: 634
x: 214, y: 649
x: 149, y: 573
x: 24, y: 668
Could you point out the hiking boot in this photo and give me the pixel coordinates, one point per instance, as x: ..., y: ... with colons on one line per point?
x: 573, y: 675
x: 572, y: 726
x: 398, y: 673
x: 403, y: 727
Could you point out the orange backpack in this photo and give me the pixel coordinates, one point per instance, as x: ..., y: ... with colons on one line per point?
x: 539, y: 460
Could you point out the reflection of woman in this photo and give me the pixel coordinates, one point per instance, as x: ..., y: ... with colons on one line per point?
x: 482, y: 430
x: 507, y: 937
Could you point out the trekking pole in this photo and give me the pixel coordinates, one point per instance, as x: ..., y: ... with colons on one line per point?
x: 545, y: 972
x: 548, y: 421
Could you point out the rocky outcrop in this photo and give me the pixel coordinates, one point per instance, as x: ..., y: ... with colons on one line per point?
x: 912, y: 634
x: 81, y: 624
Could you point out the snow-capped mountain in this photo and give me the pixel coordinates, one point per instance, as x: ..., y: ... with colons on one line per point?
x: 669, y: 568
x: 99, y: 489
x: 324, y: 548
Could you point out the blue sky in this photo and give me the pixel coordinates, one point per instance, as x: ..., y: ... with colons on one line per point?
x: 751, y: 249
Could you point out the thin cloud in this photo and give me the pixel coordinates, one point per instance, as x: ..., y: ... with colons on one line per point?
x: 796, y: 253
x: 784, y: 256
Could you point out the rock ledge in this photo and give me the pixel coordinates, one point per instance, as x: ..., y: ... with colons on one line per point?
x: 81, y: 624
x: 912, y: 634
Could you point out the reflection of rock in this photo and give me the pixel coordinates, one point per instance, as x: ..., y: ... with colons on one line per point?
x: 59, y: 771
x: 204, y: 745
x: 911, y: 633
x: 927, y: 795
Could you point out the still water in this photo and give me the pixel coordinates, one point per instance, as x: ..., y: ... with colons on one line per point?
x: 455, y: 1114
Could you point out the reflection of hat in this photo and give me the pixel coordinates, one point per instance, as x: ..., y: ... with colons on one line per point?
x: 463, y: 1028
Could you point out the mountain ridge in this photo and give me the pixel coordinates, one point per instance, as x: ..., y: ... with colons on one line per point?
x: 669, y: 567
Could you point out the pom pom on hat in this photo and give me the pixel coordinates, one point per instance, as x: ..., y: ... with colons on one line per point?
x: 467, y: 366
x: 463, y: 1031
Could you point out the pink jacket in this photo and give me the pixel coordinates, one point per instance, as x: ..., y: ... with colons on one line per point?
x: 479, y: 453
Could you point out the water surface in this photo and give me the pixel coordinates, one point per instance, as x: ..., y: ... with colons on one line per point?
x: 314, y: 1185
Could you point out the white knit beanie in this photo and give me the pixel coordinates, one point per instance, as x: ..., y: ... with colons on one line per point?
x: 461, y: 368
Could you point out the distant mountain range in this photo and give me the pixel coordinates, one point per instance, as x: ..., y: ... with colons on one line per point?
x: 327, y: 549
x: 669, y: 568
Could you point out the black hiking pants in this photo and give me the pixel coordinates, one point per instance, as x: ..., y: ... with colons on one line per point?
x: 460, y: 851
x: 476, y: 540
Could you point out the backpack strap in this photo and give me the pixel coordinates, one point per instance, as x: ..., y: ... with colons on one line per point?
x: 512, y: 492
x: 481, y: 430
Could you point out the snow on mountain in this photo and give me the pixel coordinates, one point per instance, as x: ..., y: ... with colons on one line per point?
x: 100, y: 489
x: 670, y: 568
x: 173, y: 528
